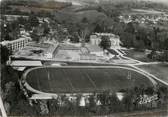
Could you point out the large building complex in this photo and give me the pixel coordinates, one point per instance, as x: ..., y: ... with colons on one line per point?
x: 95, y: 39
x: 16, y: 44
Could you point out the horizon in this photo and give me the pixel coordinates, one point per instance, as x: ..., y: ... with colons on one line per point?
x: 78, y: 2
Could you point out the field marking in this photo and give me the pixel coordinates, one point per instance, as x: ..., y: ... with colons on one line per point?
x: 69, y: 81
x: 91, y: 80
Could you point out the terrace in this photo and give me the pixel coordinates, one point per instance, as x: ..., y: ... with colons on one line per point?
x: 37, y: 50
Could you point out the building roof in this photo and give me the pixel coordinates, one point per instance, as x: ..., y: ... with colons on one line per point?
x: 20, y: 63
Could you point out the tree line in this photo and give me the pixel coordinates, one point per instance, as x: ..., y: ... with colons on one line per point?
x: 109, y: 102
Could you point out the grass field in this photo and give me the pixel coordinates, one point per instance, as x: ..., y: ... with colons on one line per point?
x: 138, y: 55
x: 159, y: 70
x: 68, y: 80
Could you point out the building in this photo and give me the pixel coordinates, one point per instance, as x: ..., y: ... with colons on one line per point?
x: 14, y: 17
x: 16, y: 45
x: 95, y: 39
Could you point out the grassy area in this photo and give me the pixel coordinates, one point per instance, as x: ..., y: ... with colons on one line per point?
x: 138, y: 55
x: 159, y: 70
x: 84, y: 79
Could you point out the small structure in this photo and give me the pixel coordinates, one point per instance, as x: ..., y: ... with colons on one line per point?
x: 95, y: 40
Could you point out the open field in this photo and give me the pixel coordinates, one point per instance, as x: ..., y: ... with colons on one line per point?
x: 138, y: 55
x: 35, y: 6
x: 159, y: 70
x: 143, y: 12
x: 84, y: 79
x: 146, y: 11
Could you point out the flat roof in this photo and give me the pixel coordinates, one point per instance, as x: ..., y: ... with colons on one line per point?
x: 25, y: 63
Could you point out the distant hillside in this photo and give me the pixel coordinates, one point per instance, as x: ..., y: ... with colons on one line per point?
x: 89, y: 2
x: 28, y: 6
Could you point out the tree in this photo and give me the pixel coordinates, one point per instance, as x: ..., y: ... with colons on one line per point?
x: 5, y: 53
x: 92, y: 104
x: 138, y: 44
x: 10, y: 31
x: 127, y: 39
x: 149, y: 91
x: 98, y: 28
x: 130, y: 28
x: 128, y: 101
x: 46, y: 29
x: 166, y: 44
x: 105, y: 42
x: 82, y: 33
x: 165, y: 55
x: 22, y: 20
x: 80, y: 30
x: 84, y: 20
x: 34, y: 36
x: 33, y: 20
x: 115, y: 105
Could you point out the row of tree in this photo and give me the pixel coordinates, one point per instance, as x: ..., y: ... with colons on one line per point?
x: 110, y: 103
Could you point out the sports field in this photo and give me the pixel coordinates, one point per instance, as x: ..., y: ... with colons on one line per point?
x: 158, y: 70
x: 83, y: 80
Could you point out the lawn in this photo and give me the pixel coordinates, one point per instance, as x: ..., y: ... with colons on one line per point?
x: 159, y: 70
x: 138, y: 55
x: 59, y: 80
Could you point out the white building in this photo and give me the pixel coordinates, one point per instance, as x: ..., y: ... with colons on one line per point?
x: 95, y: 39
x: 16, y: 44
x: 14, y: 17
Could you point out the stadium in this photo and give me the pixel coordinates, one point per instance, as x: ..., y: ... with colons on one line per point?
x: 49, y: 82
